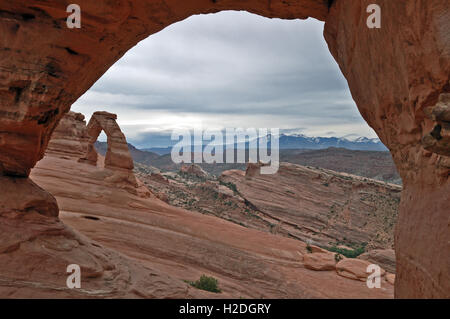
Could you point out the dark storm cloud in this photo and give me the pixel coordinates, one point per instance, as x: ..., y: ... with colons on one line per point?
x: 243, y: 68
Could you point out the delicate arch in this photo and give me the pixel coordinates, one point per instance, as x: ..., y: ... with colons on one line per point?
x: 118, y: 154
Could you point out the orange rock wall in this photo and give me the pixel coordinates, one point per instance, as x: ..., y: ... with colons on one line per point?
x: 395, y: 74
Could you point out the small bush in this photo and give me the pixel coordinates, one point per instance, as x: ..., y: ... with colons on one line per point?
x: 308, y: 248
x: 230, y: 185
x: 353, y: 253
x: 338, y: 257
x: 206, y: 283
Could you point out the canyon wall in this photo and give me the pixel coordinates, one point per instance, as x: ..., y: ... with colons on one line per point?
x: 396, y: 74
x: 320, y: 206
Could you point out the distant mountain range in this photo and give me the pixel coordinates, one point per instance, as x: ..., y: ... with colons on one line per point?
x: 300, y: 141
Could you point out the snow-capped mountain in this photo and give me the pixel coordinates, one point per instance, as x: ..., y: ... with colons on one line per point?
x: 300, y: 141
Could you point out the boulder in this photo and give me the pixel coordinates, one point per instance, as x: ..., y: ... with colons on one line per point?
x: 354, y: 269
x: 319, y: 261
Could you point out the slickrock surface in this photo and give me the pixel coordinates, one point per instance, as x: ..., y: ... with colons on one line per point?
x: 394, y: 73
x: 183, y: 245
x: 36, y: 248
x: 326, y: 207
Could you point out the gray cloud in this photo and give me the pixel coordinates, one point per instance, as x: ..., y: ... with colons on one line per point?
x: 230, y: 69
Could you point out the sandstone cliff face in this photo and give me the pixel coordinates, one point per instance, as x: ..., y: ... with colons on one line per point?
x: 394, y: 74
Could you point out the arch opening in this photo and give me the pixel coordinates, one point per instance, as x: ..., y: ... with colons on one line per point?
x: 392, y: 87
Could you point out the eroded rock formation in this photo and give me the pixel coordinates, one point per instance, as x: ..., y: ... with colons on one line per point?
x: 70, y: 138
x: 74, y: 139
x: 395, y: 73
x: 313, y: 204
x: 355, y: 269
x: 117, y: 155
x: 438, y: 140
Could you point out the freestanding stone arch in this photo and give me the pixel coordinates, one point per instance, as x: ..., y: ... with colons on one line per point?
x: 117, y: 155
x: 395, y: 74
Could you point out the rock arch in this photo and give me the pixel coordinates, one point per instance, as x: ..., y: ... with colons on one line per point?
x: 117, y: 155
x: 395, y: 74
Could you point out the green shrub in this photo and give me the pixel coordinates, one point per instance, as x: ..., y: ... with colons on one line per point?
x: 349, y: 253
x: 230, y: 185
x: 206, y: 283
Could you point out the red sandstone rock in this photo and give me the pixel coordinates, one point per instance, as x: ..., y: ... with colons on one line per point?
x: 324, y: 206
x: 319, y: 261
x: 162, y: 196
x: 390, y: 278
x: 354, y: 269
x: 36, y: 248
x: 394, y: 73
x: 117, y: 155
x: 178, y: 245
x: 73, y: 139
x: 70, y: 138
x: 159, y: 178
x: 383, y: 257
x: 316, y: 249
x: 438, y: 140
x: 22, y: 196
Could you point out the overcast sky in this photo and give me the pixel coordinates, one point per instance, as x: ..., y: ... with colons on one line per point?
x: 230, y: 69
